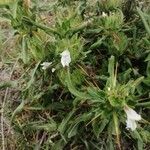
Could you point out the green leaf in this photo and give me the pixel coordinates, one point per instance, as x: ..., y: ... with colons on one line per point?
x: 4, y: 2
x: 144, y: 104
x: 111, y: 71
x: 145, y: 134
x: 134, y: 84
x: 121, y: 42
x: 147, y: 27
x: 73, y: 90
x: 99, y: 126
x: 49, y: 127
x: 148, y: 58
x: 110, y: 144
x: 14, y: 8
x: 111, y: 65
x: 63, y: 126
x: 125, y: 75
x: 96, y: 94
x: 140, y: 145
x: 18, y: 110
x: 77, y: 77
x: 32, y: 76
x: 148, y: 69
x: 72, y: 131
x: 46, y: 29
x: 58, y: 145
x: 97, y: 43
x: 135, y: 134
x: 24, y: 54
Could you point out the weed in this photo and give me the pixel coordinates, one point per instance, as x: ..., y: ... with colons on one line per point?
x: 81, y: 70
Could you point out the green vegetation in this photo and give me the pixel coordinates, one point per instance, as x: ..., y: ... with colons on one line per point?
x: 79, y: 74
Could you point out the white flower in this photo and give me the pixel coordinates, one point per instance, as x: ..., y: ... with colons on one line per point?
x: 45, y: 65
x: 108, y: 88
x: 104, y: 14
x: 53, y: 69
x: 132, y: 117
x: 131, y: 124
x: 65, y: 58
x: 131, y: 114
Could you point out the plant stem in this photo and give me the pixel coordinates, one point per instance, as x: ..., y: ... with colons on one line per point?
x: 117, y: 129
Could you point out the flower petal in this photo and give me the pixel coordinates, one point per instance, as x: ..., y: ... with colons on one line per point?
x: 45, y: 65
x: 53, y: 69
x: 131, y: 124
x: 131, y: 114
x: 65, y: 58
x: 104, y: 14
